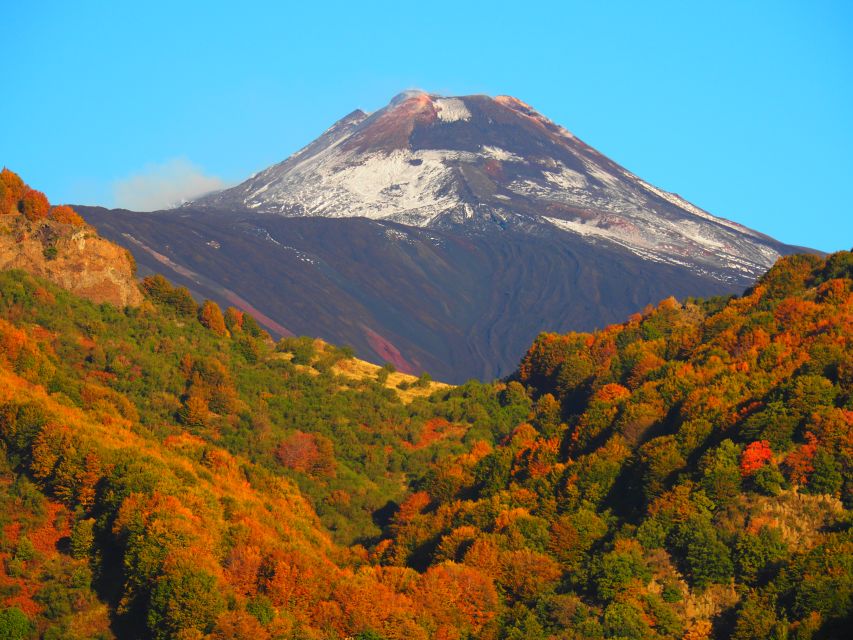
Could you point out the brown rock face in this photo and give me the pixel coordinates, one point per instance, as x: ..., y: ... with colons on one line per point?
x: 74, y: 258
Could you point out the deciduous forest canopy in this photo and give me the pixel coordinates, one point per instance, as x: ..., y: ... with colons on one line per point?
x: 168, y: 471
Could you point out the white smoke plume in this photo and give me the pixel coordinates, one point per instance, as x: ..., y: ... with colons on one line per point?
x: 164, y: 185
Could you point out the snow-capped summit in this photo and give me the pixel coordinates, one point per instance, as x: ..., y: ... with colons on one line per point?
x: 475, y: 162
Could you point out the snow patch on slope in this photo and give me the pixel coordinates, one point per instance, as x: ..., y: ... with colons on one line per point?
x: 410, y: 186
x: 496, y: 153
x: 451, y: 110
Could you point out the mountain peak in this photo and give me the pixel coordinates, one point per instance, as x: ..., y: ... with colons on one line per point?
x: 475, y: 162
x: 408, y: 94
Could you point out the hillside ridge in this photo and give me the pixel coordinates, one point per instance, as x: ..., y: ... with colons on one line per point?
x: 55, y: 243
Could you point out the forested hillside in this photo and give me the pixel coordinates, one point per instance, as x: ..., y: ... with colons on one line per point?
x: 686, y: 474
x: 168, y: 471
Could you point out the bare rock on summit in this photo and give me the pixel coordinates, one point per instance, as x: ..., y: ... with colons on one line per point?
x: 75, y: 258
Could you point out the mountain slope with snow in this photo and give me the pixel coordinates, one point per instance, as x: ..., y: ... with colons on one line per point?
x: 476, y: 161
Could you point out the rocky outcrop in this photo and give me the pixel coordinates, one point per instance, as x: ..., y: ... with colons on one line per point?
x: 75, y: 258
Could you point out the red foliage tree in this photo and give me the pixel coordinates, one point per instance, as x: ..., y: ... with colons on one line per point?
x: 308, y: 453
x: 755, y: 456
x: 799, y: 463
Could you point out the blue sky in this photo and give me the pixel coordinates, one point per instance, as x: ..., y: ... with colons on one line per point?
x: 744, y: 108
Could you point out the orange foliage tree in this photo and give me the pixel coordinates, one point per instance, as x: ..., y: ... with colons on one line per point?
x: 210, y: 316
x: 34, y: 205
x: 11, y: 190
x: 66, y: 215
x: 799, y: 463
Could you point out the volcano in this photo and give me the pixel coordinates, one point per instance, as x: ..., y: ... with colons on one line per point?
x: 442, y: 234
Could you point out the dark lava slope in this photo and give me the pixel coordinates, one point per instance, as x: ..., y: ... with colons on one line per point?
x: 458, y: 306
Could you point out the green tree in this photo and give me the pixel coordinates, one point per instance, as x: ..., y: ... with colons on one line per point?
x: 184, y: 598
x: 618, y: 569
x: 826, y: 477
x: 706, y: 559
x: 492, y: 472
x: 83, y: 538
x: 720, y: 473
x: 755, y: 553
x: 622, y: 620
x: 14, y: 624
x: 757, y: 620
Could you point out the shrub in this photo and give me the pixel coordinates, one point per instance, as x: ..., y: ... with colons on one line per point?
x: 423, y: 381
x: 302, y: 348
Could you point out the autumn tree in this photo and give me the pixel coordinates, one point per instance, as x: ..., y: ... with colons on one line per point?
x: 754, y: 457
x: 34, y: 205
x: 7, y: 199
x: 83, y: 538
x: 11, y: 191
x: 194, y: 412
x: 66, y: 215
x: 307, y: 452
x: 799, y: 464
x: 210, y: 316
x: 660, y: 459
